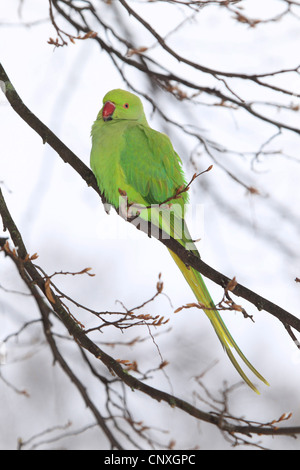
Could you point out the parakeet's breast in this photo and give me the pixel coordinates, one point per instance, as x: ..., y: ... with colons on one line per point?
x: 107, y: 140
x: 108, y: 144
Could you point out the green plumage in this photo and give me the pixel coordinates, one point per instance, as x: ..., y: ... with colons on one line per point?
x: 148, y: 152
x: 129, y: 158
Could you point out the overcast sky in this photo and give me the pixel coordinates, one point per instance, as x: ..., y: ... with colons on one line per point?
x: 63, y: 220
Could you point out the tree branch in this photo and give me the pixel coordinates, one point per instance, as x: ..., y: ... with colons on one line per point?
x: 165, y: 79
x: 186, y: 256
x: 32, y: 278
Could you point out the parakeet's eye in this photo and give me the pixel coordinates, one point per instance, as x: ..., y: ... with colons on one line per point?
x: 126, y: 105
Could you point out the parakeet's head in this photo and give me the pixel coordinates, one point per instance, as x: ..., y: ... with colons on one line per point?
x: 121, y: 105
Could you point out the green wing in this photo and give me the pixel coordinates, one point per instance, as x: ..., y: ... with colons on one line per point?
x: 150, y: 164
x: 153, y: 169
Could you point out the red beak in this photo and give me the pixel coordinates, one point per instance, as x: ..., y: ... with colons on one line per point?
x: 108, y: 110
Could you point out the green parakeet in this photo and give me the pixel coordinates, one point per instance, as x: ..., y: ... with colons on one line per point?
x: 131, y: 160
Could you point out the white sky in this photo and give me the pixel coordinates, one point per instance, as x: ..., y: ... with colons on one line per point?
x: 63, y: 220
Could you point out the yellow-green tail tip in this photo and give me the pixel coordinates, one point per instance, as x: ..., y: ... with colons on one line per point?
x: 199, y: 288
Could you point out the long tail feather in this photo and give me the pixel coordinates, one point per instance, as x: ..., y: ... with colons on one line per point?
x: 199, y: 288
